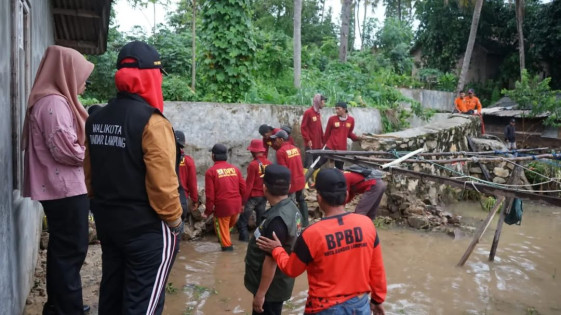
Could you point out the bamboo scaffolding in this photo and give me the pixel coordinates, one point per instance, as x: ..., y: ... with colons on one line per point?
x: 362, y: 153
x: 447, y: 161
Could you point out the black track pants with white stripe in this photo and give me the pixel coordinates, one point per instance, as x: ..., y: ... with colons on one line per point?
x: 135, y: 271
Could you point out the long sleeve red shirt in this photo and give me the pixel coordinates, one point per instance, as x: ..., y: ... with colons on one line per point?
x: 337, y: 132
x: 356, y: 184
x: 342, y: 256
x: 311, y: 128
x: 188, y: 178
x: 224, y: 188
x: 289, y: 156
x: 254, y: 182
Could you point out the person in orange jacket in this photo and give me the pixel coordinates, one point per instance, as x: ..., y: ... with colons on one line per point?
x: 460, y: 102
x: 224, y: 188
x: 472, y: 103
x: 341, y: 255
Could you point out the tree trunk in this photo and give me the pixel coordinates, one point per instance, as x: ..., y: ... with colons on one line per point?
x: 345, y: 19
x: 322, y: 11
x: 297, y: 42
x: 519, y: 24
x: 357, y: 6
x: 399, y: 10
x: 363, y: 25
x: 194, y: 46
x: 470, y: 44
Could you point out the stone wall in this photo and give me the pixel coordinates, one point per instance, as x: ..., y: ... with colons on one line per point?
x: 407, y: 197
x: 235, y: 125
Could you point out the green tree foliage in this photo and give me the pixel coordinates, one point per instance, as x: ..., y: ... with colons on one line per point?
x: 395, y: 40
x: 535, y: 94
x: 544, y: 32
x: 229, y: 47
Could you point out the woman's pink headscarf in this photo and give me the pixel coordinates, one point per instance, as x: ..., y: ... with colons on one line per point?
x: 317, y: 102
x: 62, y: 71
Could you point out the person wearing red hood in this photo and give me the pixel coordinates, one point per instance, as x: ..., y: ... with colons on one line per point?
x: 130, y: 174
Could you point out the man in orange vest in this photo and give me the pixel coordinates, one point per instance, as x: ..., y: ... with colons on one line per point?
x: 459, y: 102
x: 471, y: 103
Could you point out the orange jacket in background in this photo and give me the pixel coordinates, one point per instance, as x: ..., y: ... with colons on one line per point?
x: 472, y: 103
x: 460, y: 104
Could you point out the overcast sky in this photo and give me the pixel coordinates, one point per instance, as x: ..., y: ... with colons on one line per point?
x: 127, y: 17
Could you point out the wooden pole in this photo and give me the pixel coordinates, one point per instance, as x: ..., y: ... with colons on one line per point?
x: 480, y: 231
x: 506, y: 210
x: 456, y: 160
x: 403, y: 158
x: 466, y: 153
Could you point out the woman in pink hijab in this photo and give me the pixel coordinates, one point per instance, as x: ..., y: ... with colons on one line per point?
x: 53, y: 140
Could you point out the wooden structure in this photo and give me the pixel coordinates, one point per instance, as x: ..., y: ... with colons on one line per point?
x: 504, y: 194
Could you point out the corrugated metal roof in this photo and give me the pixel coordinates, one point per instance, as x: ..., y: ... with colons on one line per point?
x: 82, y: 24
x: 506, y: 107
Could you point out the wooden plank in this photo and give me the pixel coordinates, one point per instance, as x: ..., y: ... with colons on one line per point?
x: 480, y: 231
x: 482, y: 166
x: 77, y: 13
x: 508, y: 204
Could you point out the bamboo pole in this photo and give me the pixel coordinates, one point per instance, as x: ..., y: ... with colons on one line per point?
x: 508, y: 204
x: 466, y: 153
x: 450, y: 161
x: 480, y: 231
x: 403, y: 158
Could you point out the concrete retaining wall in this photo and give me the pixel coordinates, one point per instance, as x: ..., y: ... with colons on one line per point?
x: 437, y: 100
x: 20, y: 218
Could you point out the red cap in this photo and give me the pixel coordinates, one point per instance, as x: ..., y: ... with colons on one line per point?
x: 256, y: 146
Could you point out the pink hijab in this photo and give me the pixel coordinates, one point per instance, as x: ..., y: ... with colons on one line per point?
x: 62, y: 72
x: 316, y: 102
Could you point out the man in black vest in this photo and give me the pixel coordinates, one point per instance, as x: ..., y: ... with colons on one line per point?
x: 130, y: 175
x: 269, y: 286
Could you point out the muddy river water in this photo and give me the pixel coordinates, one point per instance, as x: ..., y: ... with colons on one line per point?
x: 422, y: 276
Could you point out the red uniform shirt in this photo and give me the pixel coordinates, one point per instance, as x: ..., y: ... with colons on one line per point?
x: 289, y: 156
x: 311, y: 128
x: 224, y: 188
x: 188, y: 178
x: 337, y: 132
x: 254, y: 181
x: 343, y: 258
x: 356, y: 184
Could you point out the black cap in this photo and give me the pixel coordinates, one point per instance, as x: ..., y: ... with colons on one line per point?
x: 219, y: 148
x: 331, y: 180
x: 277, y: 176
x: 280, y: 134
x: 180, y: 138
x: 341, y: 104
x: 287, y: 128
x: 146, y: 56
x: 323, y: 98
x: 263, y: 129
x: 513, y: 120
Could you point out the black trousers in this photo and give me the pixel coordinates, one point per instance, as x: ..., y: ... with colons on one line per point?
x: 135, y: 269
x: 67, y: 220
x: 270, y: 308
x: 257, y: 204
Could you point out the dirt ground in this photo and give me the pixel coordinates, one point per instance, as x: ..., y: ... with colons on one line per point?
x: 91, y: 277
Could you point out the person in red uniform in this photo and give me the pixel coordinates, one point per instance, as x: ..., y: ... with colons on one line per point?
x: 372, y: 190
x: 187, y: 173
x: 289, y: 156
x: 266, y: 131
x: 339, y: 128
x: 254, y: 198
x: 224, y: 188
x: 288, y: 130
x: 341, y: 254
x: 311, y: 128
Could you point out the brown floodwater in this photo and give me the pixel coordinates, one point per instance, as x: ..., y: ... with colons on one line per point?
x: 422, y: 276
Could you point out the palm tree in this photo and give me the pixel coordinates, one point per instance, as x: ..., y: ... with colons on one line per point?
x: 470, y: 44
x: 345, y: 21
x: 297, y: 42
x: 519, y: 23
